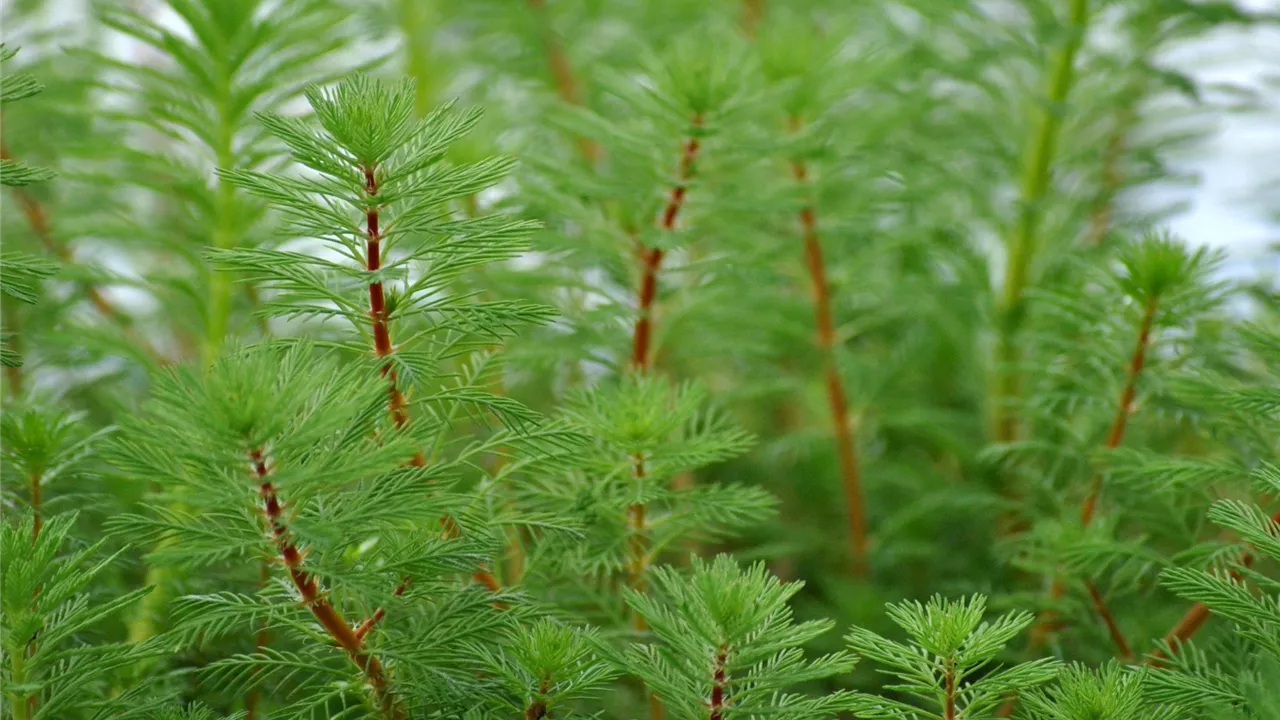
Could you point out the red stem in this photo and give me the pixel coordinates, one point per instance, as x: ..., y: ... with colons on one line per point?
x: 380, y: 613
x: 378, y: 310
x: 846, y: 440
x: 719, y: 681
x: 314, y: 597
x: 652, y: 257
x: 382, y: 336
x: 1088, y: 507
x: 1195, y: 617
x: 1117, y: 637
x: 1124, y: 408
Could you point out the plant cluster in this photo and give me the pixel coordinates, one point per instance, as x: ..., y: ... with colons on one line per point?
x: 740, y: 359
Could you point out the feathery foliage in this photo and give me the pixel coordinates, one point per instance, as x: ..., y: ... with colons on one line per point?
x: 328, y: 394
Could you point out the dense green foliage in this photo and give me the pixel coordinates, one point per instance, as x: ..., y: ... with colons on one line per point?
x: 694, y: 359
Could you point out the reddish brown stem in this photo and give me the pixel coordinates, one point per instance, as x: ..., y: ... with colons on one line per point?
x: 537, y: 709
x: 1124, y: 408
x: 378, y: 310
x: 1198, y: 614
x: 652, y: 261
x: 1100, y: 606
x: 846, y: 439
x: 651, y: 258
x: 719, y: 684
x: 382, y: 334
x: 314, y: 597
x: 380, y: 613
x: 1088, y: 507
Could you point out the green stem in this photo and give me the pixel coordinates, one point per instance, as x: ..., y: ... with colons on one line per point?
x: 415, y: 21
x: 1038, y: 158
x: 18, y: 677
x: 224, y: 238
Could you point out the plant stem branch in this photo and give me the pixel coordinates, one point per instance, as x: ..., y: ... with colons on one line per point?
x: 378, y: 309
x: 314, y: 597
x: 1038, y: 159
x: 637, y: 546
x: 846, y: 438
x: 36, y: 502
x: 652, y: 257
x: 1124, y: 409
x: 1124, y: 652
x: 380, y: 613
x: 566, y: 82
x: 224, y: 238
x: 719, y: 683
x: 949, y: 690
x: 1198, y: 614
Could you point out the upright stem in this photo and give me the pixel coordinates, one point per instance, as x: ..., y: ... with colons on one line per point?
x: 314, y: 597
x: 537, y: 708
x: 638, y: 567
x: 949, y: 690
x: 1198, y: 614
x: 719, y: 683
x: 224, y: 238
x: 637, y: 545
x: 36, y: 503
x: 1124, y: 408
x: 846, y: 440
x: 20, y: 704
x: 26, y: 706
x: 416, y: 22
x: 562, y: 72
x: 652, y: 257
x: 378, y: 309
x: 1038, y: 160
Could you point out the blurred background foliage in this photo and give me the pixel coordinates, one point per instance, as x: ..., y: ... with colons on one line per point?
x: 919, y: 246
